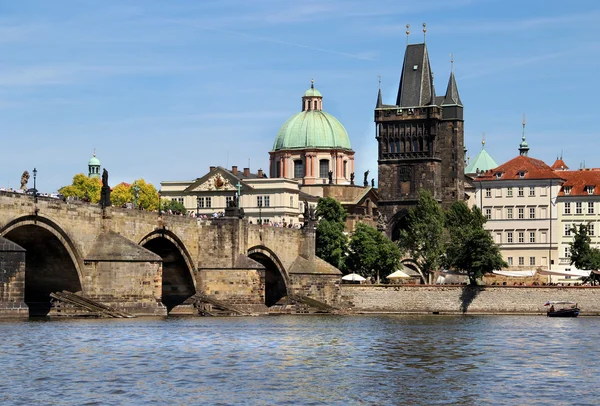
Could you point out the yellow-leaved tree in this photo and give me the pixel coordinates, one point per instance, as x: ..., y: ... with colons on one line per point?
x: 83, y: 188
x: 147, y: 194
x: 121, y: 194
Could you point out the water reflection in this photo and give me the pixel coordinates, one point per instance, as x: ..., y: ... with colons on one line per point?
x: 333, y: 360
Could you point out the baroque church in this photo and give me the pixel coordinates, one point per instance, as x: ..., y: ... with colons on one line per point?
x: 420, y: 142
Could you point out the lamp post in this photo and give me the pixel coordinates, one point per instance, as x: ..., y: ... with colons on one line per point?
x: 260, y: 212
x: 34, y: 185
x: 197, y: 206
x: 136, y: 195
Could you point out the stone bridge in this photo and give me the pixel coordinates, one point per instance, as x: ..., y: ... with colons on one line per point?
x: 150, y: 264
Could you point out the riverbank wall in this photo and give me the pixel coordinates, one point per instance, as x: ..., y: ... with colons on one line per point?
x: 460, y: 299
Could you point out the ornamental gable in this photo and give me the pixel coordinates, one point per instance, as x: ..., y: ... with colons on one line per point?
x: 215, y: 182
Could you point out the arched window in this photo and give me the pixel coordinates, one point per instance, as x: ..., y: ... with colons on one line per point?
x: 324, y: 168
x: 315, y: 105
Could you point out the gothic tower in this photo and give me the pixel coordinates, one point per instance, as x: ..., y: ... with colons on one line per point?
x: 420, y: 141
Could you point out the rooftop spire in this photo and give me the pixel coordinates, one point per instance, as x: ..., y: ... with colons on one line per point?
x: 312, y: 83
x: 523, y: 146
x: 483, y: 141
x: 416, y: 81
x: 407, y: 33
x: 424, y: 32
x: 379, y: 99
x: 452, y: 97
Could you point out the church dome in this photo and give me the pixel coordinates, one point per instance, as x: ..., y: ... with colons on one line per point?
x: 94, y: 161
x: 312, y: 127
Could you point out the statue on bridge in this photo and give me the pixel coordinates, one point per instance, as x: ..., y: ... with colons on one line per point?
x: 352, y: 178
x: 381, y: 222
x: 366, y: 180
x: 105, y: 191
x: 24, y: 180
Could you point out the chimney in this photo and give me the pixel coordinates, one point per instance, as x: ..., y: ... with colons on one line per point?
x: 260, y: 173
x: 212, y: 168
x: 234, y: 170
x: 246, y: 172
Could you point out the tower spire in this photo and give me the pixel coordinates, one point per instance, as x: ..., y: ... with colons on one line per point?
x: 523, y: 146
x: 379, y: 99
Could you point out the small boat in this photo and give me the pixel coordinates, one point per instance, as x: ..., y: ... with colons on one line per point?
x: 562, y: 309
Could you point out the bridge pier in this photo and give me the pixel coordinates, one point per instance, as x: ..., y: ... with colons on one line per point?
x: 12, y: 280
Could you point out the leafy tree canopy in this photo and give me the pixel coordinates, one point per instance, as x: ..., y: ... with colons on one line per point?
x: 422, y: 239
x: 583, y: 256
x: 147, y: 195
x: 83, y: 188
x: 331, y: 243
x: 173, y: 205
x: 371, y: 251
x: 121, y: 194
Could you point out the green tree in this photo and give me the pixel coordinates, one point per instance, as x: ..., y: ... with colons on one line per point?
x: 583, y: 256
x: 121, y: 194
x: 422, y: 239
x: 469, y: 247
x: 331, y: 244
x: 173, y: 205
x: 83, y: 188
x: 371, y: 251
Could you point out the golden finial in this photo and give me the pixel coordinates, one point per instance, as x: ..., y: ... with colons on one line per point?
x: 94, y: 151
x: 482, y: 140
x: 424, y: 32
x: 452, y: 63
x: 407, y: 32
x: 524, y: 121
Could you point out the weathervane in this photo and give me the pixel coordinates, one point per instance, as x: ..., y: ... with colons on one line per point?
x: 424, y: 32
x: 379, y: 78
x: 452, y: 63
x: 407, y: 32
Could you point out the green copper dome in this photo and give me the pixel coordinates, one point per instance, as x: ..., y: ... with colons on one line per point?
x: 94, y: 161
x: 312, y: 129
x: 312, y: 92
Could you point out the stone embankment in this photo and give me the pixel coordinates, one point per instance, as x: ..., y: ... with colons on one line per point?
x: 463, y: 299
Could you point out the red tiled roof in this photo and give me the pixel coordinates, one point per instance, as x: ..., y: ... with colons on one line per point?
x: 578, y: 180
x: 532, y: 168
x: 560, y: 165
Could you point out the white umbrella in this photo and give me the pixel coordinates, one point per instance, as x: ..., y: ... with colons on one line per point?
x: 353, y: 277
x: 398, y: 275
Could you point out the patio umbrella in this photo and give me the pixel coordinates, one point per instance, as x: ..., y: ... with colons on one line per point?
x: 398, y: 275
x: 353, y: 277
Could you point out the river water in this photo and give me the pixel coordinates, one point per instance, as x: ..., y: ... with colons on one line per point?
x: 302, y: 360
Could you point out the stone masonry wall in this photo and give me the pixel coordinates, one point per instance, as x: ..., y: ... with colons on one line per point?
x: 12, y: 285
x: 237, y: 287
x: 452, y: 299
x: 324, y: 288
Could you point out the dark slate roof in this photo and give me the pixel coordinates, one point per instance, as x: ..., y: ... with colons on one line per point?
x: 379, y: 101
x: 452, y: 97
x: 113, y: 247
x: 9, y: 246
x: 416, y: 80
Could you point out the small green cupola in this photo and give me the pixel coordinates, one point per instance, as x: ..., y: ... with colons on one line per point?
x: 94, y: 167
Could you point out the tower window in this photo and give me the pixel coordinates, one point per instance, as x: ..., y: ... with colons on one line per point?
x: 298, y: 169
x: 315, y: 105
x: 324, y: 168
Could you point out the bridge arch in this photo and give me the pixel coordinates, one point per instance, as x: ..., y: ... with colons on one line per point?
x: 53, y: 262
x: 178, y: 273
x: 277, y: 279
x: 397, y: 223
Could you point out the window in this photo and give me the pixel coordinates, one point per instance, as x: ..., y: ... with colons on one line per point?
x: 498, y: 175
x: 521, y: 260
x: 567, y: 230
x: 315, y: 105
x: 567, y: 190
x: 567, y: 208
x: 509, y: 212
x: 267, y: 201
x: 532, y: 191
x: 520, y: 212
x: 532, y: 212
x: 177, y: 199
x: 298, y: 169
x: 259, y: 201
x: 578, y: 208
x: 345, y: 169
x: 532, y: 237
x: 323, y: 168
x: 209, y: 202
x: 509, y: 192
x: 509, y: 237
x: 200, y: 202
x: 590, y: 229
x: 510, y: 261
x: 520, y: 192
x: 521, y: 237
x: 228, y: 200
x: 532, y: 261
x: 521, y: 174
x: 488, y: 213
x: 590, y: 207
x: 589, y: 190
x: 488, y: 192
x: 567, y: 252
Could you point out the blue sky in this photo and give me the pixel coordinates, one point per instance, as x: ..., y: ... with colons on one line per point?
x: 163, y: 90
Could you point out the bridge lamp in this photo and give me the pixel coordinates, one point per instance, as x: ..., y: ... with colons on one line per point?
x: 34, y: 185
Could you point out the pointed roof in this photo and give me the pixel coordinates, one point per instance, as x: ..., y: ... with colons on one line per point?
x: 379, y: 100
x: 452, y: 97
x: 481, y: 163
x: 559, y: 165
x: 521, y: 167
x: 416, y: 80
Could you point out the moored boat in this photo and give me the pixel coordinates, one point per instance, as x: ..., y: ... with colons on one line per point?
x: 562, y: 309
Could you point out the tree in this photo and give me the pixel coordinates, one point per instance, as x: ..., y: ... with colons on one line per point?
x: 371, y: 251
x: 422, y: 239
x: 147, y: 195
x: 331, y: 243
x: 583, y: 256
x: 173, y: 205
x: 121, y: 194
x: 83, y: 188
